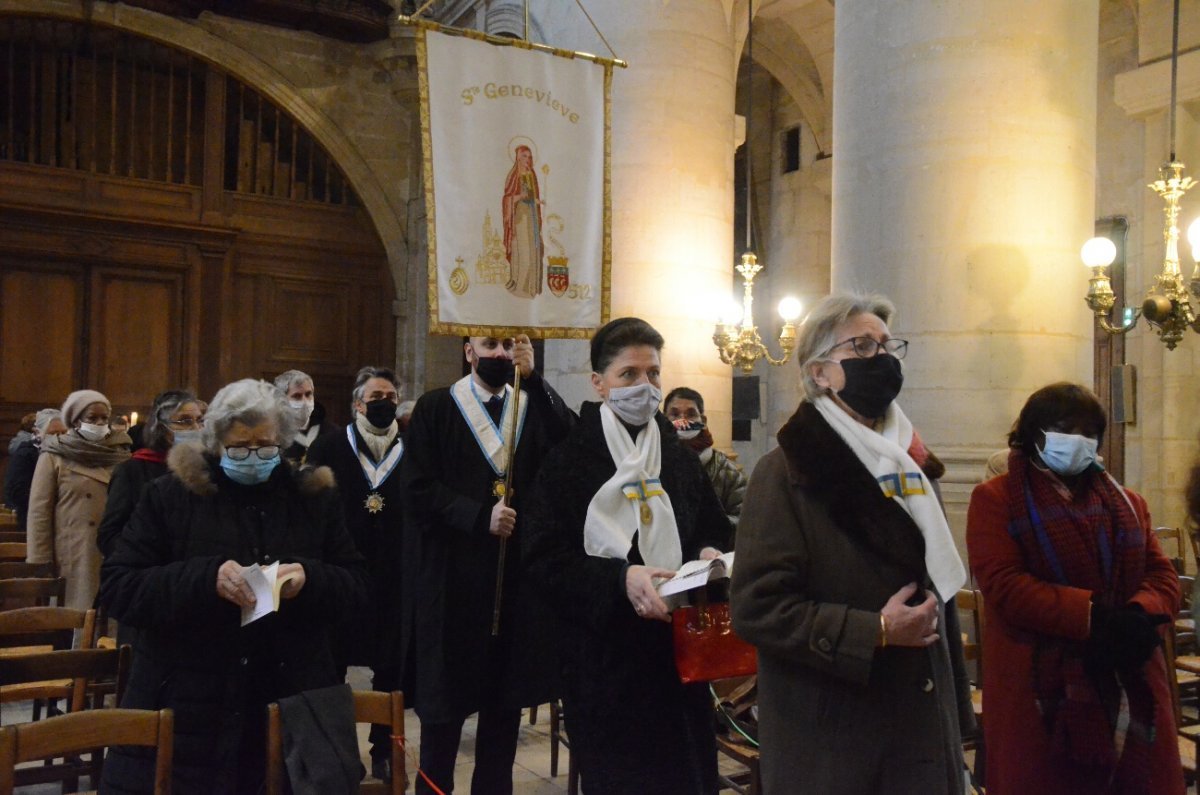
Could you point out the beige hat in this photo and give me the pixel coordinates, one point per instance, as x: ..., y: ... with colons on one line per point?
x: 77, y: 402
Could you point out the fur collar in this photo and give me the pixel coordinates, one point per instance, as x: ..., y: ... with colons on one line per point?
x: 194, y: 468
x: 824, y: 467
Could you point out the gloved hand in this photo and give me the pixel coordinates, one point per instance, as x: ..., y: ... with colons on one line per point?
x: 1122, y: 638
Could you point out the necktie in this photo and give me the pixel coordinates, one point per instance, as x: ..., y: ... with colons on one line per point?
x: 495, y: 408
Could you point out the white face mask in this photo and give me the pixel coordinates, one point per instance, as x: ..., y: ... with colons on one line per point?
x: 303, y: 409
x: 186, y: 437
x: 1068, y: 453
x: 93, y: 433
x: 635, y: 404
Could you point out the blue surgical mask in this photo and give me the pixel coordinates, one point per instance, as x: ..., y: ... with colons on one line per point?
x: 252, y: 471
x: 1068, y: 453
x: 184, y: 437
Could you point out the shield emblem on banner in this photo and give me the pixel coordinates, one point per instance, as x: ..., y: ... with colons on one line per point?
x: 558, y: 276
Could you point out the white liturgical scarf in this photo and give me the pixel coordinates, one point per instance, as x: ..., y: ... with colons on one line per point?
x: 633, y: 500
x: 885, y: 455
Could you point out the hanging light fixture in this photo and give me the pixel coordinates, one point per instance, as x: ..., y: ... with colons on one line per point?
x: 736, y: 335
x: 1168, y: 306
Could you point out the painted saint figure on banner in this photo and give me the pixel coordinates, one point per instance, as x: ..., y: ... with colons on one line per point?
x: 522, y: 206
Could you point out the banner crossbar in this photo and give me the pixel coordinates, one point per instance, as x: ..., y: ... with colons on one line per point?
x: 504, y: 41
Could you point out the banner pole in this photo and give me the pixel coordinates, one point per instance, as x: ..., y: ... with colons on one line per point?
x: 508, y: 478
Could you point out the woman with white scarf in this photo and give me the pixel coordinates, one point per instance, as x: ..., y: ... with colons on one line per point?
x: 619, y: 505
x: 845, y: 567
x: 69, y: 490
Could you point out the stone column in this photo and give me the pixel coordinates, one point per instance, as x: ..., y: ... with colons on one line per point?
x: 672, y: 184
x: 963, y: 187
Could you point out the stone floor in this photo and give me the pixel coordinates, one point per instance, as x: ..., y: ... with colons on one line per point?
x: 531, y: 773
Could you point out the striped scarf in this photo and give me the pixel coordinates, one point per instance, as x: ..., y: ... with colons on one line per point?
x: 1092, y: 541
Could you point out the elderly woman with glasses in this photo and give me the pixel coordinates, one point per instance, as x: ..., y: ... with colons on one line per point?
x: 181, y: 574
x: 845, y: 565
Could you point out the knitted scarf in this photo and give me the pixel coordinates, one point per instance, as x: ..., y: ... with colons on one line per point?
x: 104, y: 454
x: 1092, y: 541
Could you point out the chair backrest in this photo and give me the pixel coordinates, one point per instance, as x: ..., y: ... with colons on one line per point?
x: 1175, y: 535
x: 85, y: 666
x: 10, y: 569
x: 32, y: 592
x: 12, y: 550
x: 970, y: 601
x: 370, y: 706
x: 47, y: 626
x: 83, y: 731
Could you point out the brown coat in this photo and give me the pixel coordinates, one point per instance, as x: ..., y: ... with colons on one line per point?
x: 66, y: 504
x: 820, y: 550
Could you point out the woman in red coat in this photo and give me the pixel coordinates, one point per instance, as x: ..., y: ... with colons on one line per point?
x: 1076, y: 592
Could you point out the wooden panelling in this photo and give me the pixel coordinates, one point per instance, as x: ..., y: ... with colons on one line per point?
x: 137, y: 335
x: 314, y: 325
x: 39, y: 335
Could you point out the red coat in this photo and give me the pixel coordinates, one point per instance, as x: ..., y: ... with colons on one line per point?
x: 1015, y: 603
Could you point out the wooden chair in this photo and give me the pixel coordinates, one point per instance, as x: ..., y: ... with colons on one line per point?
x: 94, y: 673
x: 370, y: 706
x: 12, y: 537
x: 32, y: 592
x: 1176, y: 536
x: 10, y: 569
x: 969, y: 602
x: 1188, y: 737
x: 737, y: 698
x: 558, y: 738
x: 84, y: 731
x: 13, y: 550
x: 40, y: 629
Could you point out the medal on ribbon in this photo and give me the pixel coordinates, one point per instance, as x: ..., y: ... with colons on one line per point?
x: 374, y: 502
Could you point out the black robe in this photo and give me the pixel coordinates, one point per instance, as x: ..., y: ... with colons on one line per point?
x: 450, y: 562
x: 634, y: 727
x: 371, y: 638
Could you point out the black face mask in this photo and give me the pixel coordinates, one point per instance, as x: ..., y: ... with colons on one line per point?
x: 381, y: 413
x: 871, y: 384
x: 495, y: 372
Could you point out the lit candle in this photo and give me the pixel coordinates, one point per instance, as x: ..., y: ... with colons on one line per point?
x: 132, y: 418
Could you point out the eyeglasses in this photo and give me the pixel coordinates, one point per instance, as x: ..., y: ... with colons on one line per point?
x: 266, y: 452
x: 865, y: 347
x: 185, y: 423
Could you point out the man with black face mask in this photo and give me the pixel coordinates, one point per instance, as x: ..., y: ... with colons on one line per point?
x: 365, y: 459
x: 454, y: 474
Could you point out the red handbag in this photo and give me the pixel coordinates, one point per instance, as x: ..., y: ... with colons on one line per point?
x: 706, y: 647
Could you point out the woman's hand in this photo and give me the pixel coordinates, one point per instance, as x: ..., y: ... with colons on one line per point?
x: 639, y: 587
x: 910, y: 626
x: 710, y: 553
x: 232, y: 587
x: 291, y: 588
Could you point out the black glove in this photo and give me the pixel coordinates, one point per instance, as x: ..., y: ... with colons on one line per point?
x: 1122, y: 638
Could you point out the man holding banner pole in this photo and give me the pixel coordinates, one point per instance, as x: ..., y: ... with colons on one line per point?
x: 456, y: 473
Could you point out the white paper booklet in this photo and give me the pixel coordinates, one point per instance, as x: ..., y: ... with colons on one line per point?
x: 266, y: 584
x: 695, y: 573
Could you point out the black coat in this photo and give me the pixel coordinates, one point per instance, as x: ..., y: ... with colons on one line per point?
x: 19, y: 478
x: 634, y: 727
x: 372, y: 638
x: 125, y: 488
x: 298, y: 453
x: 451, y: 560
x: 192, y: 655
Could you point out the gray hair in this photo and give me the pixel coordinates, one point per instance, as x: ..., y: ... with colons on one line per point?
x: 819, y: 331
x: 366, y: 374
x: 249, y: 402
x: 165, y: 404
x: 285, y: 381
x: 44, y: 418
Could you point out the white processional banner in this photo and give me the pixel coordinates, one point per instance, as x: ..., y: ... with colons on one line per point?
x: 516, y: 188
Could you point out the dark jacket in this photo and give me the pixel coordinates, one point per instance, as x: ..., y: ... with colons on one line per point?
x: 372, y: 638
x: 129, y: 479
x: 820, y: 551
x: 450, y: 563
x: 634, y: 727
x: 298, y: 453
x: 192, y: 655
x: 19, y: 478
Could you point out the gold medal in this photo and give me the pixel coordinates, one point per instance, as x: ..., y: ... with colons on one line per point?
x: 647, y: 514
x: 374, y: 502
x: 498, y: 489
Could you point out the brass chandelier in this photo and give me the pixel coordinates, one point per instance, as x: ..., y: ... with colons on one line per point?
x: 1168, y: 305
x: 736, y: 336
